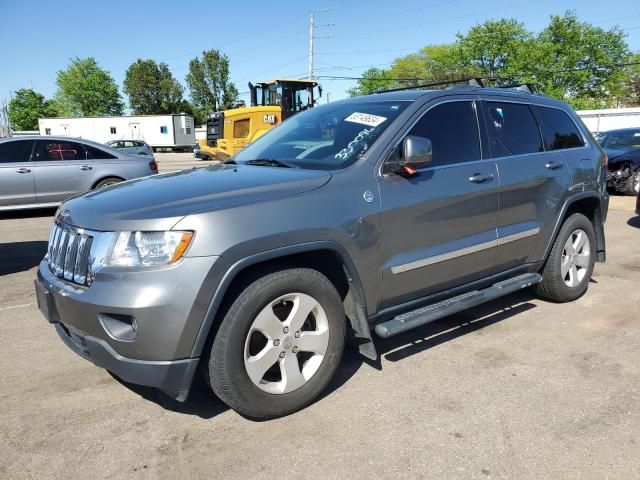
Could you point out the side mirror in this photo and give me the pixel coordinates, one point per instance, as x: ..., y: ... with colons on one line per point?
x: 417, y: 152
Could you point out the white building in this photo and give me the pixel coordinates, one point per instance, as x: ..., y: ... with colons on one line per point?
x: 173, y: 131
x: 610, y: 119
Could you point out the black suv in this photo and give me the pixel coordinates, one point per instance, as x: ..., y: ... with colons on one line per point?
x: 374, y: 214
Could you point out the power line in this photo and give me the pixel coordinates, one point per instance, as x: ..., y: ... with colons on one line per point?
x: 546, y: 72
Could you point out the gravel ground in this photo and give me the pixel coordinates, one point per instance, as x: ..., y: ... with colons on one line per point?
x: 519, y: 388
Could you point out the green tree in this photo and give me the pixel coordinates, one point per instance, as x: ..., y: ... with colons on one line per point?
x: 199, y: 115
x: 497, y: 49
x: 25, y: 109
x: 632, y: 93
x: 151, y: 88
x: 431, y: 64
x: 579, y: 63
x: 84, y: 89
x: 209, y: 84
x: 372, y: 80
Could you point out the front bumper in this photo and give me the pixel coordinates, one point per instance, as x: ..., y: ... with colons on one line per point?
x: 172, y: 377
x: 141, y: 326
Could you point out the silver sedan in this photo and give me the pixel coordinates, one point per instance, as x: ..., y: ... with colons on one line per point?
x: 44, y: 171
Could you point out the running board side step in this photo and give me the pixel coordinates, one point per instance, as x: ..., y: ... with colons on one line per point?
x: 436, y: 311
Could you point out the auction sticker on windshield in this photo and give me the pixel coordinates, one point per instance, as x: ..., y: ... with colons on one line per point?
x: 365, y: 119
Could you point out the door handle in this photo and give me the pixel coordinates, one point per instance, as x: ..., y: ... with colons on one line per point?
x: 479, y: 178
x: 86, y: 167
x: 553, y: 165
x: 23, y: 170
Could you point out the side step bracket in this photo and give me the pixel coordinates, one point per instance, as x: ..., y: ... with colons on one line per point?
x: 431, y: 313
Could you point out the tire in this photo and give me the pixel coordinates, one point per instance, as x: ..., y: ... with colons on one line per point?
x: 105, y: 182
x: 255, y: 334
x: 566, y: 274
x: 632, y: 186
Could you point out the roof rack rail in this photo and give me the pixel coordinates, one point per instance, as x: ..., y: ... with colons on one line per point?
x: 470, y: 82
x: 474, y: 82
x: 522, y: 87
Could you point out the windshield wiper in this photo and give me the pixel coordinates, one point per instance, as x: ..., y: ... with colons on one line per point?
x: 268, y: 162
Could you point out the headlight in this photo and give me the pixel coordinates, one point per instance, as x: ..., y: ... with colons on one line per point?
x: 148, y: 248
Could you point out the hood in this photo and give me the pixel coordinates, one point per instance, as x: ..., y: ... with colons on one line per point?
x: 623, y: 155
x: 160, y: 201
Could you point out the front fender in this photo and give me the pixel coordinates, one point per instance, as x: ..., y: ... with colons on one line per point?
x: 245, y: 262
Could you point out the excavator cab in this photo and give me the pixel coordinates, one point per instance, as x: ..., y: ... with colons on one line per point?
x: 292, y: 96
x: 272, y: 102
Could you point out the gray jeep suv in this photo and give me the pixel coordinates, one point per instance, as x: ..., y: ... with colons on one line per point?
x: 370, y: 215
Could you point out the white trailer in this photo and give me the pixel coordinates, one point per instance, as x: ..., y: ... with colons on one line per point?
x: 201, y: 133
x: 159, y: 131
x: 610, y: 119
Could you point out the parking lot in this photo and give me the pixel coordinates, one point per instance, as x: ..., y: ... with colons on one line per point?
x: 519, y: 388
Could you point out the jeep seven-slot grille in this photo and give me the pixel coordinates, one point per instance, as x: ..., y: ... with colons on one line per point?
x: 69, y: 251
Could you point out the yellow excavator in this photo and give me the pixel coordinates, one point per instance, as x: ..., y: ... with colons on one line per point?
x: 272, y: 103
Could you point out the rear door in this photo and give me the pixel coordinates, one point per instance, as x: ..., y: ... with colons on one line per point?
x: 534, y: 183
x: 61, y: 170
x: 16, y: 173
x: 439, y: 225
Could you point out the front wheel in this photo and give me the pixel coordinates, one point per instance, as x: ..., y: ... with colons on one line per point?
x: 633, y: 184
x: 279, y: 344
x: 567, y: 272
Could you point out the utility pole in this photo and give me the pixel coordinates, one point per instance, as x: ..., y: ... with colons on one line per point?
x: 311, y: 35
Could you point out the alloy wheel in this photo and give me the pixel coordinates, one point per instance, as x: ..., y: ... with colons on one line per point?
x: 575, y: 258
x: 286, y: 343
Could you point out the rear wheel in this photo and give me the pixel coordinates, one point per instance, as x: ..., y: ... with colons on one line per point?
x: 568, y: 270
x: 279, y: 344
x: 107, y: 182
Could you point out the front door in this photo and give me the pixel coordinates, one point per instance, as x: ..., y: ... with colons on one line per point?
x: 16, y: 173
x: 439, y: 224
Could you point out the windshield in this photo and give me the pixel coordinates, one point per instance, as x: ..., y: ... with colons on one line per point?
x: 328, y: 137
x: 621, y: 140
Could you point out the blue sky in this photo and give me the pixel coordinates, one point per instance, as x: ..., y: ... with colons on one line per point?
x: 263, y: 39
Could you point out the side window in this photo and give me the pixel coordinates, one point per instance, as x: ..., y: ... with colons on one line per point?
x: 513, y: 130
x: 16, y: 151
x: 128, y: 144
x: 453, y: 130
x: 558, y: 129
x: 164, y: 129
x: 56, y: 151
x: 94, y: 153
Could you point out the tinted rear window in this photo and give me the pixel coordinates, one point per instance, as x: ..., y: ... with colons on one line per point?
x: 513, y: 129
x: 16, y: 151
x: 558, y: 129
x: 97, y: 154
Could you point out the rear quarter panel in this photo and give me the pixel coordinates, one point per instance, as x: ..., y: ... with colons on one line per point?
x: 126, y: 167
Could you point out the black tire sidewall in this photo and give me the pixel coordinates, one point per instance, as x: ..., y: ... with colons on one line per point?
x: 563, y: 291
x: 230, y: 341
x: 102, y: 182
x: 630, y: 190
